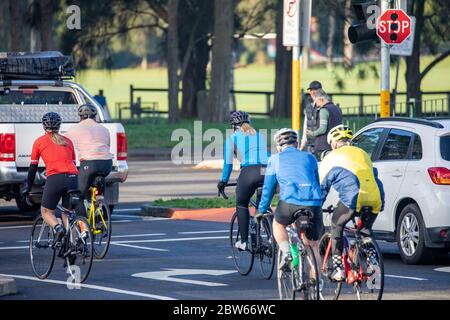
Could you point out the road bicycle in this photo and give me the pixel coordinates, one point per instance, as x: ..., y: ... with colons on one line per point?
x: 300, y: 279
x: 362, y: 260
x: 99, y: 218
x: 262, y: 245
x: 76, y: 247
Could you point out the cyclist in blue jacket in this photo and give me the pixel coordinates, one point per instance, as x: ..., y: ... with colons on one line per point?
x: 251, y: 149
x: 297, y: 174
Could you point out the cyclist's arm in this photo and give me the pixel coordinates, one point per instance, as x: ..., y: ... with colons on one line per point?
x: 304, y: 135
x: 35, y: 156
x: 326, y: 177
x: 380, y: 187
x: 269, y: 188
x: 323, y: 116
x: 227, y: 160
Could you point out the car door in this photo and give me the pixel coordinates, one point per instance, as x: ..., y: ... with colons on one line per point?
x: 391, y: 161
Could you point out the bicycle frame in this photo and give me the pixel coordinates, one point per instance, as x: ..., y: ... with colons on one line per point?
x: 91, y: 213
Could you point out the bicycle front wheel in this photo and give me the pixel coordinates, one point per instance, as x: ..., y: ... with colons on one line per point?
x: 42, y: 251
x: 306, y: 276
x: 101, y: 230
x: 243, y: 259
x: 370, y: 261
x: 80, y: 251
x: 267, y: 247
x: 330, y: 290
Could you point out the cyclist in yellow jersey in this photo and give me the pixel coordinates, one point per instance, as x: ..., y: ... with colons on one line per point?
x: 350, y: 172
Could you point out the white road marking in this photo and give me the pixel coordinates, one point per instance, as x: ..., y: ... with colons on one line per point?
x: 138, y: 247
x: 171, y: 240
x: 15, y: 227
x: 403, y: 277
x: 203, y: 232
x: 139, y: 235
x: 94, y: 287
x: 444, y: 269
x: 169, y: 274
x: 122, y: 221
x: 14, y: 248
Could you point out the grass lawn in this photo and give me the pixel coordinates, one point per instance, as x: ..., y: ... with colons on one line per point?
x: 254, y: 77
x: 148, y: 134
x: 202, y: 203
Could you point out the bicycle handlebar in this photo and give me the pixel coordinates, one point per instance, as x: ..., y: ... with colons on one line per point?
x: 222, y: 193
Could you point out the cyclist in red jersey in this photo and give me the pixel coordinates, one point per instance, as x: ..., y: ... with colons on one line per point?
x: 58, y: 154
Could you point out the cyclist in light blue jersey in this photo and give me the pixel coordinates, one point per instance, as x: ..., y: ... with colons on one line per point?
x: 250, y: 148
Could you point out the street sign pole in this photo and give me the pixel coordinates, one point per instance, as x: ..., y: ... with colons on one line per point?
x: 296, y: 95
x: 385, y: 93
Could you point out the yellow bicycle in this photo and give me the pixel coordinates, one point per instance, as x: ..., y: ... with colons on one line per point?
x: 99, y: 218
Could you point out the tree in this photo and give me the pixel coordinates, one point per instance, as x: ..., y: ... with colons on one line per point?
x: 432, y: 30
x: 219, y: 97
x: 283, y: 71
x: 172, y: 61
x: 16, y: 24
x: 348, y: 47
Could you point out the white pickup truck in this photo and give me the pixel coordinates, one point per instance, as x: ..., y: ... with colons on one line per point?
x: 22, y: 105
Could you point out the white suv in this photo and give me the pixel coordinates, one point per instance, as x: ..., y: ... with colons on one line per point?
x: 413, y: 161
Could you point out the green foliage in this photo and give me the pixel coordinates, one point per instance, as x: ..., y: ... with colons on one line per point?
x: 201, y: 203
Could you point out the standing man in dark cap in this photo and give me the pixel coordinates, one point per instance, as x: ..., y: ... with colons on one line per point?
x: 311, y: 118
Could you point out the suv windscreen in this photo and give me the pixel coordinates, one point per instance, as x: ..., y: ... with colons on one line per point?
x: 28, y: 106
x: 445, y: 147
x: 368, y: 140
x: 396, y: 146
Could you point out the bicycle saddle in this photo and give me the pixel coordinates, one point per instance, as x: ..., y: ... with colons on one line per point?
x: 303, y: 218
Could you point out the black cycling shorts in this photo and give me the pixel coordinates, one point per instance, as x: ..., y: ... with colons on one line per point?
x: 56, y: 187
x: 284, y: 214
x: 89, y: 170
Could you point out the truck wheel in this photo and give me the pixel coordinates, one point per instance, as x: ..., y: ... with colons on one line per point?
x: 411, y: 236
x: 23, y: 206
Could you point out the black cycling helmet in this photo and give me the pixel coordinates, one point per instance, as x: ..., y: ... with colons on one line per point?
x: 87, y: 111
x: 237, y: 118
x: 51, y: 121
x: 286, y: 136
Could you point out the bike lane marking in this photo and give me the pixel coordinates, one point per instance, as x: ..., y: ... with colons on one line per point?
x: 138, y: 247
x: 171, y: 240
x: 90, y: 286
x: 203, y: 232
x: 169, y: 275
x: 404, y: 277
x: 443, y: 269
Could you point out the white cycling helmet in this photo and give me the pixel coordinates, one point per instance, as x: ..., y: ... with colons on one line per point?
x: 338, y: 133
x: 285, y: 136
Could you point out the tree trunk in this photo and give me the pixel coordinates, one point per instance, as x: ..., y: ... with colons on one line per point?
x: 35, y: 31
x: 219, y: 98
x: 172, y: 61
x: 16, y: 25
x: 348, y: 47
x: 330, y: 47
x: 46, y: 24
x: 283, y: 70
x: 412, y: 76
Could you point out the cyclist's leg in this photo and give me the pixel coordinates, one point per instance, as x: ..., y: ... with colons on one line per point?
x: 53, y: 191
x: 342, y: 215
x: 86, y: 176
x: 244, y: 191
x: 283, y: 217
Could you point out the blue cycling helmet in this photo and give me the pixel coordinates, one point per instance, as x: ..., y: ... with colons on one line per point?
x: 237, y: 118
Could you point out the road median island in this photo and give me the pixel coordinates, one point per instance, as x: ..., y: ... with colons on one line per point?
x: 214, y: 214
x: 7, y: 286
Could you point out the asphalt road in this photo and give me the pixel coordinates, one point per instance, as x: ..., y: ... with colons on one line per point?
x: 153, y: 258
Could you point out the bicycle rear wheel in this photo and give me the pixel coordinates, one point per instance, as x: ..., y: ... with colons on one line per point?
x: 243, y: 259
x: 42, y: 251
x: 101, y: 230
x: 285, y: 281
x: 370, y: 260
x: 330, y: 289
x: 306, y: 276
x: 80, y: 251
x: 267, y: 247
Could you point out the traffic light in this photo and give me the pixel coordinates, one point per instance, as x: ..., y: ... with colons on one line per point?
x: 360, y: 32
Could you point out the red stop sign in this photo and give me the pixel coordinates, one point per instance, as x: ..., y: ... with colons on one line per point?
x: 394, y: 26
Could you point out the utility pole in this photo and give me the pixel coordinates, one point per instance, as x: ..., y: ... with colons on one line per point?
x: 296, y: 95
x: 385, y: 92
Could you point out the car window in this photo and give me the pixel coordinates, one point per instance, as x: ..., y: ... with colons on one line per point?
x: 396, y: 145
x: 445, y: 147
x: 368, y: 140
x: 416, y: 148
